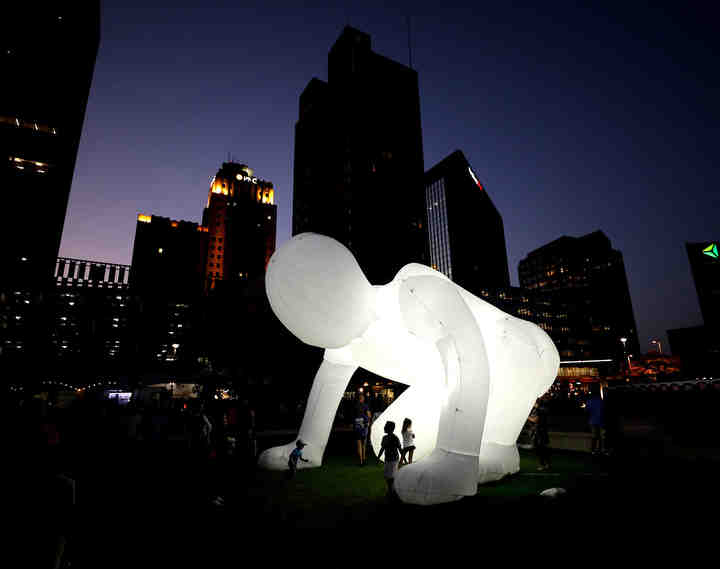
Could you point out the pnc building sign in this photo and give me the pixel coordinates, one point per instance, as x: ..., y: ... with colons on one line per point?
x: 245, y: 178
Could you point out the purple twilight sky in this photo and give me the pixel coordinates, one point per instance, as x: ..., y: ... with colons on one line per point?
x: 575, y: 119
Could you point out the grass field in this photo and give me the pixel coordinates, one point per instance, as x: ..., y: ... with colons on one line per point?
x: 342, y: 493
x: 157, y: 502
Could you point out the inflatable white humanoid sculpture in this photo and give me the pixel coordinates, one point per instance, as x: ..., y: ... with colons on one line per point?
x: 474, y: 372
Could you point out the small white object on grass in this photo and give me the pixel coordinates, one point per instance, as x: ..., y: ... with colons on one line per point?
x: 553, y: 492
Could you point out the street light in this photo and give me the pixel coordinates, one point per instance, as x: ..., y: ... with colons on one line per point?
x: 623, y: 340
x: 657, y: 343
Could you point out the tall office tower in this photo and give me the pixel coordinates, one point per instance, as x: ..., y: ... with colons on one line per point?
x: 47, y: 61
x: 166, y: 285
x: 168, y: 258
x: 699, y: 346
x: 358, y: 172
x: 465, y: 229
x: 241, y: 217
x: 585, y: 280
x: 705, y: 266
x: 90, y: 307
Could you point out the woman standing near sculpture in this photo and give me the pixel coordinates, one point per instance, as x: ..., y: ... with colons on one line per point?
x: 361, y: 427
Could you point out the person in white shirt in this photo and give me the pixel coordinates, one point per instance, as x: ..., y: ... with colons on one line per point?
x: 408, y: 440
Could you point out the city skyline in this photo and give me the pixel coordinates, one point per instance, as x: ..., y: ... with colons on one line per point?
x: 607, y: 136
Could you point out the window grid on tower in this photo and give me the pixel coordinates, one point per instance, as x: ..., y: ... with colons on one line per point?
x: 438, y: 228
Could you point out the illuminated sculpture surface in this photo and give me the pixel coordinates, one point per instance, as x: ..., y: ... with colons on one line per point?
x: 474, y: 372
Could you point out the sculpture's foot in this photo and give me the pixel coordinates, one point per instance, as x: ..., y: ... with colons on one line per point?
x: 438, y: 478
x: 276, y: 458
x: 497, y: 461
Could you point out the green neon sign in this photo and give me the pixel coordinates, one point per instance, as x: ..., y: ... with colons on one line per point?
x: 711, y: 250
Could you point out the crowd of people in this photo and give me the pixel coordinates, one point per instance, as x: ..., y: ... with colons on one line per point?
x: 56, y: 446
x: 397, y: 453
x: 52, y: 435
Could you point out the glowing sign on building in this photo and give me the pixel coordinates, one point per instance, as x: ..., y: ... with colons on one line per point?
x: 477, y: 182
x: 144, y: 218
x: 711, y: 250
x: 244, y: 178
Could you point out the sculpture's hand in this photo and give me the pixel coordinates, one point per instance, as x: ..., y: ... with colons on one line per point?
x: 276, y: 458
x: 438, y: 478
x: 327, y: 390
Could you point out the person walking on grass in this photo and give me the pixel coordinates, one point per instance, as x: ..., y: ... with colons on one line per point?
x: 295, y: 455
x: 408, y: 442
x: 596, y: 417
x: 541, y: 436
x: 391, y: 447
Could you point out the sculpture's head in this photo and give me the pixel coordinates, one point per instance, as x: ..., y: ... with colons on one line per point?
x: 318, y: 291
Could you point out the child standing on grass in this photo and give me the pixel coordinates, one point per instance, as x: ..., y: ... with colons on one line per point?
x: 391, y: 447
x: 295, y: 455
x: 408, y: 442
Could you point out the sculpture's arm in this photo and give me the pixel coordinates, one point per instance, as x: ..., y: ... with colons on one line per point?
x: 330, y: 382
x: 433, y: 308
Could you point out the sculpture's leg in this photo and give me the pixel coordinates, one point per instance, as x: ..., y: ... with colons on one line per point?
x: 529, y: 361
x: 325, y: 395
x: 433, y: 309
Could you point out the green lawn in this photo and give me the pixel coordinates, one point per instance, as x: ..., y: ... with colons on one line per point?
x: 341, y: 492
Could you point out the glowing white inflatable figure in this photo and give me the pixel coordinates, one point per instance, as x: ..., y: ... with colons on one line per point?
x: 474, y: 372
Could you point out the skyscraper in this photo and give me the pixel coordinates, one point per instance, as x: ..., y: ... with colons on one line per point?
x: 47, y: 60
x: 585, y: 282
x: 465, y: 229
x: 705, y: 266
x: 241, y: 217
x: 358, y: 170
x: 168, y: 258
x: 699, y: 346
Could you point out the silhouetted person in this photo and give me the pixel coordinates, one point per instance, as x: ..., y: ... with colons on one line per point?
x: 541, y: 436
x: 595, y: 408
x: 392, y: 448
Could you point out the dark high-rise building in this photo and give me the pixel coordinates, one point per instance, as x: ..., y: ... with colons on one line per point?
x: 699, y: 346
x: 584, y: 280
x: 465, y: 229
x: 358, y: 170
x: 90, y: 309
x: 74, y: 330
x: 47, y: 60
x: 705, y: 266
x: 166, y: 286
x: 168, y: 258
x: 241, y: 217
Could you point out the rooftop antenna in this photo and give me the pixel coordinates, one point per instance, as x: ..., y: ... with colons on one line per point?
x: 409, y: 43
